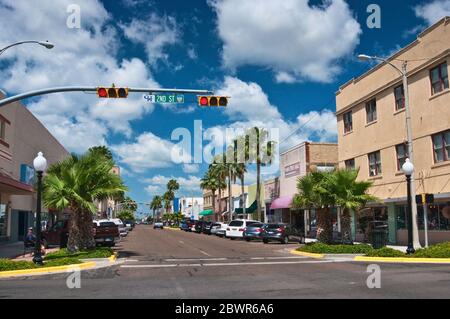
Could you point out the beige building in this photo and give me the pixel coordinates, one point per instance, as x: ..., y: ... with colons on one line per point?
x: 294, y: 164
x: 108, y: 208
x: 22, y: 136
x: 222, y: 211
x: 372, y: 133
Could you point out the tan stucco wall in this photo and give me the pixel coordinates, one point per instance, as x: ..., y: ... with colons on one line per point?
x: 430, y: 115
x: 26, y: 137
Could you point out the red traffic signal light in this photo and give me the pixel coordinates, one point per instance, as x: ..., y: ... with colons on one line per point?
x: 112, y: 93
x: 213, y: 100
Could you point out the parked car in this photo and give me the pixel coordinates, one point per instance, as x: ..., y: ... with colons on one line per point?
x: 219, y: 229
x: 105, y: 232
x: 199, y: 226
x: 122, y: 229
x: 207, y: 228
x: 282, y: 233
x: 254, y: 231
x: 128, y: 226
x: 185, y: 226
x: 237, y: 227
x: 159, y: 225
x: 193, y: 223
x: 56, y: 235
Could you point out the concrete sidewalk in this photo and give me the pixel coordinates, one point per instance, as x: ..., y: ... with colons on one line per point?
x: 11, y: 250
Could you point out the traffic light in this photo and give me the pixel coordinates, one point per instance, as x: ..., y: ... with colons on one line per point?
x: 213, y: 100
x: 112, y: 93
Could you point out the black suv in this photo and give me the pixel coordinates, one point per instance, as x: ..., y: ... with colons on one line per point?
x: 199, y: 226
x: 282, y: 233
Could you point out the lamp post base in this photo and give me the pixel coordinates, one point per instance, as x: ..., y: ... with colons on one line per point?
x: 38, y: 260
x: 410, y: 250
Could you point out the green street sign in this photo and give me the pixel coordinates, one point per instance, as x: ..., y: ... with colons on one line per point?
x: 169, y: 98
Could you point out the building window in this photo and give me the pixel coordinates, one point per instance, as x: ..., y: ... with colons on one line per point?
x: 371, y: 111
x: 439, y: 78
x: 438, y: 217
x: 441, y: 147
x: 399, y: 98
x: 3, y: 221
x: 402, y: 154
x: 348, y: 122
x: 375, y: 164
x: 2, y: 130
x: 350, y: 164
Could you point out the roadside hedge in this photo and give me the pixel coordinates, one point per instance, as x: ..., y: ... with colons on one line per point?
x: 101, y: 252
x: 7, y: 264
x: 385, y: 252
x: 441, y: 250
x: 320, y: 248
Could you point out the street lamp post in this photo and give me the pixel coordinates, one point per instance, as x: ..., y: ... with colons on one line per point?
x: 408, y: 169
x: 45, y: 44
x: 403, y: 72
x: 40, y: 164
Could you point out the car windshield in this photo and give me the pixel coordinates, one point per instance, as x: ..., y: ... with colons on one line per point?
x: 255, y: 225
x: 273, y: 226
x: 236, y: 223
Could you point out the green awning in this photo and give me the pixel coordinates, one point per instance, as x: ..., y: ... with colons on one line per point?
x: 207, y: 212
x: 248, y: 210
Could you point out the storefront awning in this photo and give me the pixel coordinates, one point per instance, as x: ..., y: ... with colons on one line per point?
x: 207, y: 212
x: 11, y: 186
x: 249, y: 210
x: 282, y: 202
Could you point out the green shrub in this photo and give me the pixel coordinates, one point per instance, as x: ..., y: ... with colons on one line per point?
x: 6, y: 264
x: 441, y: 250
x: 102, y: 252
x: 385, y: 252
x: 320, y: 248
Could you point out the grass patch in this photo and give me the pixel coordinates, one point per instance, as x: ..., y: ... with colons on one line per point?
x: 441, y: 250
x: 101, y: 252
x: 6, y: 264
x: 320, y: 248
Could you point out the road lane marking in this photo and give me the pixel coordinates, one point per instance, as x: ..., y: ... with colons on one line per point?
x: 194, y: 259
x: 234, y: 264
x: 274, y: 258
x: 204, y: 253
x: 181, y: 242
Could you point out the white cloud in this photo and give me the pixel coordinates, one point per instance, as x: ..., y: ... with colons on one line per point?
x: 433, y: 11
x: 191, y: 168
x: 155, y: 33
x: 299, y: 40
x: 188, y: 185
x: 284, y: 77
x: 148, y: 151
x: 85, y: 56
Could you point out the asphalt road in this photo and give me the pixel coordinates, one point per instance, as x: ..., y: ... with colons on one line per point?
x: 174, y: 264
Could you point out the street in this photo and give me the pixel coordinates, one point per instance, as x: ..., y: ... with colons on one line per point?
x: 174, y: 264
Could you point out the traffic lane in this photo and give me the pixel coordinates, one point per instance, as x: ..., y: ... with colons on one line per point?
x: 146, y: 242
x: 319, y: 280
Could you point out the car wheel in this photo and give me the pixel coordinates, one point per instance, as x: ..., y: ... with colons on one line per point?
x: 265, y: 241
x: 285, y: 240
x: 247, y: 239
x: 232, y: 238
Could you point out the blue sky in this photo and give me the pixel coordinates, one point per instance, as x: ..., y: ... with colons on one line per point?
x: 281, y: 62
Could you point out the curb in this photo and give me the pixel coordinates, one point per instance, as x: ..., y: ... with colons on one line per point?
x: 312, y: 255
x: 400, y: 260
x: 47, y: 270
x: 113, y: 258
x: 172, y: 228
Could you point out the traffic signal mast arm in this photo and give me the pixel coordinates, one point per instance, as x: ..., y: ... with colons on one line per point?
x: 94, y: 89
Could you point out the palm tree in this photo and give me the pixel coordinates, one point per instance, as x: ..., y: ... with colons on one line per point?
x: 156, y: 204
x: 220, y: 170
x: 210, y: 182
x: 350, y: 195
x: 313, y: 192
x: 167, y: 199
x: 74, y: 184
x: 261, y: 153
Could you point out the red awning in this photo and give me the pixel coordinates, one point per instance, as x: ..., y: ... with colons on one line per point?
x: 11, y: 186
x: 282, y: 202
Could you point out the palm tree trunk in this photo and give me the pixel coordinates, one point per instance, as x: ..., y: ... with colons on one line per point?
x: 324, y: 226
x: 243, y: 195
x: 258, y: 190
x: 220, y: 203
x: 214, y: 203
x: 346, y: 227
x: 80, y: 231
x: 229, y: 192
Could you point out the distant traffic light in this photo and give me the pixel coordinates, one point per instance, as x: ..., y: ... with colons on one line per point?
x: 112, y: 93
x: 213, y: 101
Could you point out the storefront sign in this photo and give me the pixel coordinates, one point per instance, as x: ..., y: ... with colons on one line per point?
x: 27, y: 174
